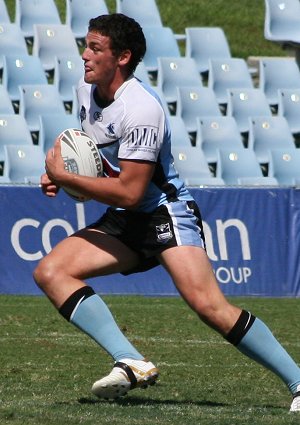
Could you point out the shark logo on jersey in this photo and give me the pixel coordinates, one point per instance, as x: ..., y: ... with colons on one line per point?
x: 98, y: 116
x: 163, y: 233
x: 111, y: 128
x: 82, y: 113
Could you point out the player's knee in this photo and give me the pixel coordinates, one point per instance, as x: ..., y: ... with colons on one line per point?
x: 44, y: 273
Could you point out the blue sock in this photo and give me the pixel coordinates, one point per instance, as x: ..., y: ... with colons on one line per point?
x: 260, y: 344
x: 92, y: 316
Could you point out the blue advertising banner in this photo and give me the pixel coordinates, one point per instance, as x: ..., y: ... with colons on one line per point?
x: 251, y: 236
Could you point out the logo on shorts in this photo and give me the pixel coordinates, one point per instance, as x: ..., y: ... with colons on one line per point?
x: 163, y: 233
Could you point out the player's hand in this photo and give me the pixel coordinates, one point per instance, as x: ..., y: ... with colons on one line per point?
x: 48, y: 187
x: 54, y: 164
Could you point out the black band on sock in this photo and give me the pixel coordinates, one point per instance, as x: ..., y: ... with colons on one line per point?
x: 242, y: 326
x: 68, y: 306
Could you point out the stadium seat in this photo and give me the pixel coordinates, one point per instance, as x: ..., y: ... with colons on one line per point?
x: 21, y: 69
x: 51, y: 125
x: 24, y: 163
x: 162, y: 100
x: 224, y: 74
x: 282, y: 21
x: 13, y: 131
x: 4, y: 16
x: 285, y: 166
x: 176, y: 72
x: 67, y: 72
x: 179, y: 134
x: 215, y: 133
x: 29, y: 12
x: 289, y: 107
x: 161, y: 42
x: 234, y: 164
x: 6, y: 106
x: 11, y: 41
x: 191, y: 165
x: 267, y: 134
x: 204, y: 43
x: 52, y: 41
x: 79, y: 13
x: 142, y: 74
x: 145, y: 12
x: 193, y: 102
x: 36, y: 99
x: 244, y: 103
x: 257, y: 181
x: 277, y: 74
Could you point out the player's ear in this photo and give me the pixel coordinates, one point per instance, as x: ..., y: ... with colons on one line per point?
x: 125, y: 57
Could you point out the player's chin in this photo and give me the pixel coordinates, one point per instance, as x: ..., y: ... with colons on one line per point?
x: 88, y: 77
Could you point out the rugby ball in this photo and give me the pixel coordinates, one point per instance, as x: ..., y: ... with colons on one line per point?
x: 81, y: 156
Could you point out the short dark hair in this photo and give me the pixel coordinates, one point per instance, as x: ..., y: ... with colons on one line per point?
x: 124, y: 33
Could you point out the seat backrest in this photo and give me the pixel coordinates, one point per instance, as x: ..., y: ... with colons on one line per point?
x: 142, y: 74
x: 11, y: 41
x: 179, y: 134
x: 68, y: 70
x: 51, y: 125
x: 191, y: 164
x: 29, y: 12
x: 13, y: 131
x: 145, y: 12
x: 204, y: 43
x: 79, y: 13
x: 244, y: 103
x: 21, y: 69
x: 233, y: 164
x: 36, y: 99
x: 268, y: 133
x: 193, y: 102
x: 215, y: 133
x: 52, y: 41
x: 4, y: 16
x: 24, y: 163
x: 229, y: 73
x: 276, y: 74
x: 282, y: 20
x: 285, y: 166
x: 176, y: 72
x: 161, y: 41
x: 6, y: 106
x: 289, y: 107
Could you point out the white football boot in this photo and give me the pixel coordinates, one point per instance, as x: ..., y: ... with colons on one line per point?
x: 295, y: 406
x: 126, y: 375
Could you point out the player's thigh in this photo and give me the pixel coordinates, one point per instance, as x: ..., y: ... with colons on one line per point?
x: 90, y: 253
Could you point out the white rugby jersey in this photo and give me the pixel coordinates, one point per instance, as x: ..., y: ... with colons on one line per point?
x: 133, y: 127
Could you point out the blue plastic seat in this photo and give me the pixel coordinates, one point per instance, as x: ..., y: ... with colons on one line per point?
x: 229, y: 73
x: 68, y: 70
x: 176, y: 72
x: 145, y: 12
x: 193, y: 102
x: 217, y: 132
x: 285, y: 166
x: 282, y: 21
x: 51, y: 125
x: 24, y: 163
x: 142, y: 74
x: 234, y: 164
x: 37, y: 99
x: 289, y: 107
x: 267, y: 134
x: 21, y: 69
x: 51, y: 41
x: 244, y: 103
x: 79, y: 13
x: 204, y: 43
x: 161, y: 41
x: 11, y: 41
x: 277, y: 74
x: 13, y: 131
x: 179, y: 134
x: 29, y: 12
x: 6, y: 106
x: 191, y: 165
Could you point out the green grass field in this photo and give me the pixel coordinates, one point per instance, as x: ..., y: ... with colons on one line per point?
x: 48, y: 366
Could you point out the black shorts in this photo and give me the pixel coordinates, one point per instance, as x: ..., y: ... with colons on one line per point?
x: 148, y: 234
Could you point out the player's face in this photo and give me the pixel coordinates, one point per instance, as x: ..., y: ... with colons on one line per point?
x: 99, y: 62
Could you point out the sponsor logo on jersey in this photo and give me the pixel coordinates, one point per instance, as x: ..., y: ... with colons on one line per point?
x: 142, y: 138
x: 82, y: 113
x: 98, y: 116
x: 163, y: 233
